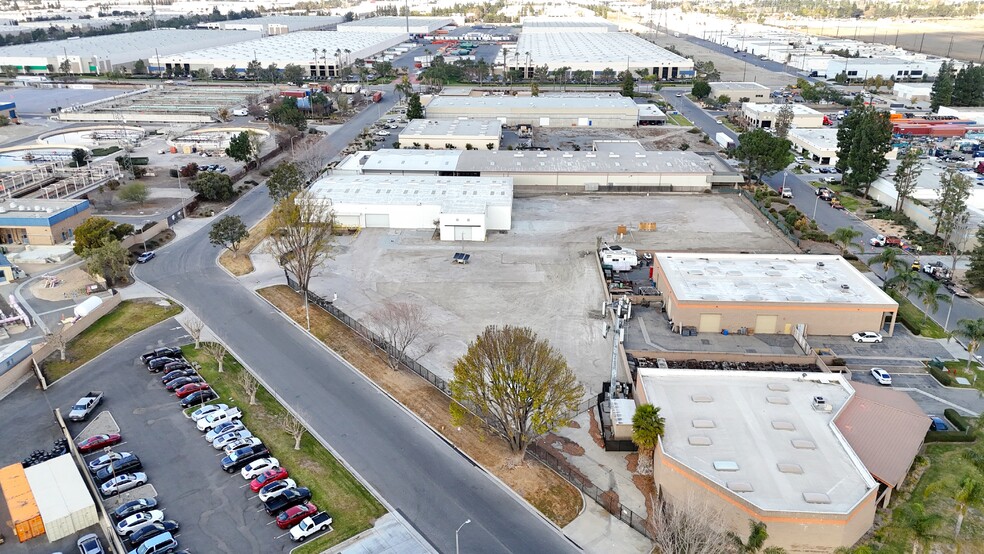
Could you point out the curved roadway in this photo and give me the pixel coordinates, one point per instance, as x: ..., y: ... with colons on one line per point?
x: 432, y: 485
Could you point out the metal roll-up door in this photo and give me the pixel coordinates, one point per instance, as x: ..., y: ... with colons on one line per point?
x: 766, y: 324
x: 709, y: 323
x: 347, y: 220
x: 462, y: 233
x: 378, y: 220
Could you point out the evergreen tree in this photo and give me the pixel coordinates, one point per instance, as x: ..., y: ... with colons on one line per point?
x: 872, y: 141
x: 414, y: 109
x: 845, y: 133
x: 942, y: 88
x: 975, y: 275
x: 968, y: 87
x: 628, y: 84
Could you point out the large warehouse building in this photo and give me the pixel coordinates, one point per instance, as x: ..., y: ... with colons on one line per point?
x: 740, y: 91
x: 613, y: 112
x: 761, y: 446
x: 541, y: 24
x: 391, y: 24
x: 100, y: 54
x: 276, y: 24
x: 764, y: 115
x: 319, y: 53
x: 465, y: 208
x: 596, y: 52
x: 820, y: 145
x: 771, y: 294
x: 461, y: 134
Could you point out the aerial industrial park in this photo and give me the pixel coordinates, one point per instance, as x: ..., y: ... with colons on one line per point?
x: 516, y: 277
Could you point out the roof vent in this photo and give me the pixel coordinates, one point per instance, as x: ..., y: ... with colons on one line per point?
x: 790, y: 468
x: 816, y: 498
x: 775, y: 399
x: 803, y: 444
x: 779, y: 387
x: 726, y: 465
x: 699, y: 440
x: 740, y: 486
x: 783, y: 426
x: 702, y: 398
x: 820, y: 404
x: 845, y: 287
x: 702, y: 424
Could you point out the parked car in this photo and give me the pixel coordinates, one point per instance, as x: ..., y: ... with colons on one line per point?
x: 128, y: 464
x: 222, y: 429
x: 239, y: 458
x: 157, y: 364
x: 180, y: 364
x: 160, y: 544
x: 267, y: 477
x: 232, y: 438
x: 105, y: 460
x: 176, y: 384
x: 217, y: 417
x: 866, y: 336
x: 126, y: 510
x: 138, y: 520
x: 199, y: 397
x: 382, y: 133
x: 258, y: 467
x: 881, y: 376
x: 96, y: 442
x: 158, y: 353
x: 90, y: 544
x: 241, y: 443
x: 937, y: 423
x: 274, y: 488
x: 85, y: 406
x: 146, y: 257
x: 147, y: 532
x: 177, y: 374
x: 286, y: 499
x: 293, y: 515
x: 123, y: 483
x: 205, y: 410
x: 916, y: 266
x: 309, y: 526
x: 190, y: 388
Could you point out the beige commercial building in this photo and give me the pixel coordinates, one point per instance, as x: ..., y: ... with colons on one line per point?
x: 740, y: 91
x: 764, y: 115
x: 771, y: 294
x: 580, y: 110
x: 761, y: 446
x: 820, y: 145
x: 461, y: 134
x: 39, y: 221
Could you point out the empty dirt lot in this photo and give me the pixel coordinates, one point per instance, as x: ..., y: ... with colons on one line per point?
x: 540, y: 274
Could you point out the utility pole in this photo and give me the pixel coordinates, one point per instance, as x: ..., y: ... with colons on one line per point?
x: 623, y: 311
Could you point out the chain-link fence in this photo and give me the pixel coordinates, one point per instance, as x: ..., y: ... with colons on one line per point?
x: 779, y: 223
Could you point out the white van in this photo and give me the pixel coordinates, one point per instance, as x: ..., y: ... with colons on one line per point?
x: 240, y: 112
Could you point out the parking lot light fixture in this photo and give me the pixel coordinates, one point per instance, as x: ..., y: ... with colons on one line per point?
x: 456, y: 551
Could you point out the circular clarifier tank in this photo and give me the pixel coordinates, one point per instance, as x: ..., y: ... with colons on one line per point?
x: 94, y: 136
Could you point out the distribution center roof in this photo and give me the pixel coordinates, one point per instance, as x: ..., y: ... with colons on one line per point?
x: 127, y: 47
x: 453, y: 194
x: 798, y: 109
x: 397, y: 23
x: 292, y: 46
x: 757, y: 436
x: 598, y: 49
x: 562, y: 24
x: 823, y: 139
x: 779, y: 278
x: 737, y: 85
x: 587, y: 102
x: 555, y: 161
x: 454, y: 128
x: 293, y: 22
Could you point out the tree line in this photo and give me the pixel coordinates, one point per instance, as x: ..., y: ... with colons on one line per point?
x: 960, y: 89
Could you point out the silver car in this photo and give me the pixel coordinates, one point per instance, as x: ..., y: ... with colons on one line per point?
x: 123, y: 483
x: 225, y: 439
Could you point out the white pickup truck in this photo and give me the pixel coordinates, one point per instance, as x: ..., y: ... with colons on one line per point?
x: 85, y: 406
x: 215, y: 418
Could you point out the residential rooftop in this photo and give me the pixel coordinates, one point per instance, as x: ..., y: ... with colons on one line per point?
x: 598, y: 49
x: 758, y: 437
x: 454, y: 194
x: 453, y: 128
x: 767, y: 278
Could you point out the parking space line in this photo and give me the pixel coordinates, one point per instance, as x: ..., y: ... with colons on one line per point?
x: 281, y: 536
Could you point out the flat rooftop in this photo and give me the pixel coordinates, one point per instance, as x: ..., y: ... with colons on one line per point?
x: 292, y: 46
x: 453, y: 194
x: 454, y: 128
x: 611, y: 161
x: 127, y: 47
x: 779, y: 278
x: 598, y: 49
x: 562, y: 24
x: 825, y: 138
x: 38, y: 208
x: 391, y: 159
x: 757, y: 436
x: 397, y: 23
x: 798, y: 109
x: 581, y: 102
x: 293, y: 22
x: 737, y: 85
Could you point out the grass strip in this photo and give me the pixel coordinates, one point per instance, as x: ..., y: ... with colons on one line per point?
x: 239, y: 263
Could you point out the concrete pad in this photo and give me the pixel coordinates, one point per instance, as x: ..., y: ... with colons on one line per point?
x: 597, y: 531
x: 101, y: 424
x: 143, y: 491
x: 390, y: 535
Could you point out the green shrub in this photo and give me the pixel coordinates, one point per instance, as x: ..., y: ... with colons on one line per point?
x: 97, y: 152
x: 816, y: 236
x: 956, y: 419
x: 948, y: 436
x: 942, y: 377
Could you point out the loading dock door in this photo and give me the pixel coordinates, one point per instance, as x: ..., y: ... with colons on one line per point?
x: 378, y: 220
x: 766, y: 324
x: 462, y: 233
x: 709, y: 323
x: 347, y: 220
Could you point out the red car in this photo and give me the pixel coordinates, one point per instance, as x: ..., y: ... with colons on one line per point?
x: 96, y: 442
x: 293, y: 515
x: 268, y: 476
x: 190, y: 388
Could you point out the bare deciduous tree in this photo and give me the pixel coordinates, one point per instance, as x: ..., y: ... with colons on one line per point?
x: 59, y: 340
x: 401, y: 324
x: 293, y: 427
x: 690, y: 528
x: 217, y: 351
x: 249, y: 384
x: 195, y: 327
x: 301, y: 238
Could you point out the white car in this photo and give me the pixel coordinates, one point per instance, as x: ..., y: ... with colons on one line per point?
x: 105, y: 460
x: 309, y: 526
x: 866, y: 336
x: 123, y: 483
x: 257, y: 467
x: 275, y: 488
x: 136, y: 521
x: 679, y: 95
x: 383, y: 134
x: 241, y: 443
x: 881, y: 376
x: 205, y: 410
x: 224, y: 428
x: 228, y: 438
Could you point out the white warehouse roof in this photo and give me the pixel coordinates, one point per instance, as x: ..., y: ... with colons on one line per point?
x: 395, y: 24
x: 769, y: 278
x: 453, y: 194
x: 62, y: 497
x: 599, y: 50
x: 291, y: 48
x: 556, y: 161
x: 539, y: 24
x: 577, y: 103
x: 819, y: 139
x: 757, y: 436
x: 453, y: 128
x: 737, y: 85
x: 798, y: 109
x: 292, y: 22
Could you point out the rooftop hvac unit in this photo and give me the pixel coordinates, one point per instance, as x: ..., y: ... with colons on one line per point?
x: 819, y: 264
x: 820, y: 404
x: 845, y: 287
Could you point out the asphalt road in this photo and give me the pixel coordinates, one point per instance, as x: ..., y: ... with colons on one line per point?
x: 751, y: 59
x: 418, y: 474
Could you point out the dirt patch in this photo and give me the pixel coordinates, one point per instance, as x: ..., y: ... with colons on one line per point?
x: 595, y: 431
x: 239, y: 263
x: 632, y: 461
x: 564, y: 444
x: 573, y: 424
x: 540, y: 486
x: 62, y: 286
x: 886, y: 227
x: 814, y: 247
x: 647, y: 487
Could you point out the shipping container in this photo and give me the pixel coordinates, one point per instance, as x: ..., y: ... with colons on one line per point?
x: 377, y: 96
x: 64, y: 502
x: 295, y: 93
x: 24, y: 514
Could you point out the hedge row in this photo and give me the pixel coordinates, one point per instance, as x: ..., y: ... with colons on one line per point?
x: 941, y: 376
x: 959, y: 421
x: 948, y: 436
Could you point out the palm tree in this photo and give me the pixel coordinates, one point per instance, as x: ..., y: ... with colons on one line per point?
x: 903, y: 281
x: 890, y: 259
x: 971, y: 493
x: 973, y: 331
x: 756, y: 538
x: 845, y: 237
x: 647, y: 427
x: 922, y: 524
x: 929, y: 293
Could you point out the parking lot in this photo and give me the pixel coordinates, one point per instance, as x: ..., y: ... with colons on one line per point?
x: 216, y: 511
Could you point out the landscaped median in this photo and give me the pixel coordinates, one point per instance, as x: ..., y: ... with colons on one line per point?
x: 335, y: 490
x: 554, y: 497
x: 239, y: 263
x: 915, y: 320
x: 129, y: 318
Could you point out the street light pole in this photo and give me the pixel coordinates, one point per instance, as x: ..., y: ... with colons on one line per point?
x: 456, y: 551
x: 948, y: 310
x: 815, y: 204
